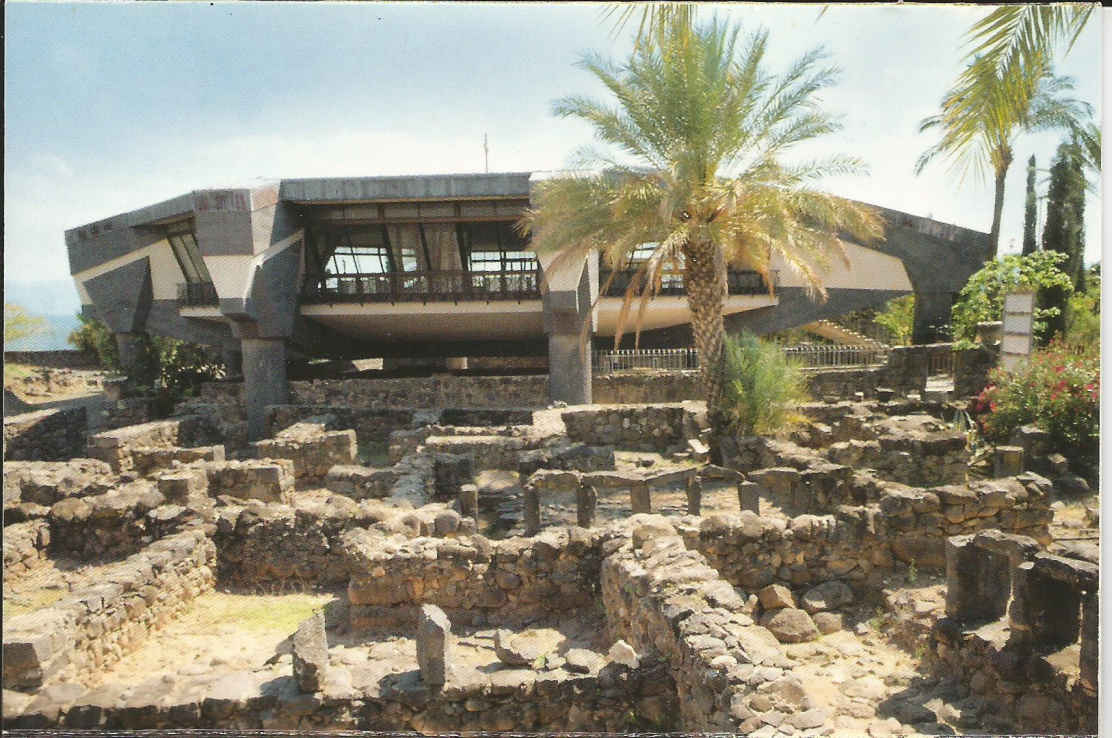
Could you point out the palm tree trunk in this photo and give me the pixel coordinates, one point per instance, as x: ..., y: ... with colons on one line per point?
x: 997, y: 211
x: 705, y: 284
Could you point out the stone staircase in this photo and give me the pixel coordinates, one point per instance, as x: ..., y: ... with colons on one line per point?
x: 841, y: 334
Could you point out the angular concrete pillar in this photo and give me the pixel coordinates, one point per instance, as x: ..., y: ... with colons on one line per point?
x: 569, y: 367
x: 233, y: 361
x: 264, y: 380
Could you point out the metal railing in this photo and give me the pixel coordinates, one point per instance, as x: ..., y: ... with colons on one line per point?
x: 738, y: 282
x: 453, y: 286
x: 197, y: 294
x: 812, y: 356
x: 683, y: 359
x: 940, y: 363
x: 619, y: 360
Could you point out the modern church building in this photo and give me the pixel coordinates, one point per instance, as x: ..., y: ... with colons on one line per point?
x: 432, y: 266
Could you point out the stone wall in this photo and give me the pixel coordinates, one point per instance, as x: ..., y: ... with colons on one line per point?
x: 645, y: 428
x: 25, y: 546
x: 862, y: 543
x: 1021, y: 630
x: 114, y: 524
x: 88, y: 631
x: 64, y: 359
x: 427, y: 392
x: 664, y: 598
x: 46, y: 435
x: 116, y: 446
x: 615, y: 699
x: 371, y: 425
x: 971, y: 368
x: 474, y: 580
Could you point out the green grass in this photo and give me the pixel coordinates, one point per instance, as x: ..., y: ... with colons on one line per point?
x: 21, y: 604
x: 16, y: 372
x: 259, y: 613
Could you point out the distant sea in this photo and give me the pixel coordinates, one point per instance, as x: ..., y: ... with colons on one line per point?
x: 54, y: 339
x: 53, y: 300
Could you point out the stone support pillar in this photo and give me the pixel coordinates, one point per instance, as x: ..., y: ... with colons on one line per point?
x: 749, y: 497
x: 694, y: 496
x: 469, y: 501
x: 264, y: 380
x: 1090, y: 643
x: 532, y: 511
x: 640, y: 498
x: 586, y: 499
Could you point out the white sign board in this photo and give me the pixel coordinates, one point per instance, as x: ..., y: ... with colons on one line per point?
x: 1019, y: 317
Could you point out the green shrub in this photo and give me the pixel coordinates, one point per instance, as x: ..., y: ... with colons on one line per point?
x: 93, y: 337
x: 898, y: 318
x: 1058, y: 390
x: 170, y: 368
x: 1083, y: 315
x: 762, y: 387
x: 982, y: 298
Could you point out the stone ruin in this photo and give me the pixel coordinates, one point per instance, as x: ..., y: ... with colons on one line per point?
x: 541, y: 570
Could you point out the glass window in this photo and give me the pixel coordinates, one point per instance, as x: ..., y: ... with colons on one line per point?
x: 184, y: 245
x: 496, y: 247
x: 359, y: 251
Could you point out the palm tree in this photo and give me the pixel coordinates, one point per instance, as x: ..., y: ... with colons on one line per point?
x: 706, y: 126
x: 1021, y: 34
x: 984, y: 112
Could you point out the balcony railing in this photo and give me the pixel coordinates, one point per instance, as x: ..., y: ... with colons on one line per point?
x: 739, y: 283
x: 450, y: 286
x: 197, y: 294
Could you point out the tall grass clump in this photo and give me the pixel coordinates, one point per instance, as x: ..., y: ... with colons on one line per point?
x: 763, y: 389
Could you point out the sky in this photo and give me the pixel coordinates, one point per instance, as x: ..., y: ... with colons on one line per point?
x: 110, y: 107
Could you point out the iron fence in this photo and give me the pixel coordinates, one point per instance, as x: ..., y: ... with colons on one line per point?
x: 812, y: 356
x: 620, y: 360
x: 809, y: 356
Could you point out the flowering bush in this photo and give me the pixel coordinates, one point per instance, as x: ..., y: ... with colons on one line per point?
x: 1057, y: 389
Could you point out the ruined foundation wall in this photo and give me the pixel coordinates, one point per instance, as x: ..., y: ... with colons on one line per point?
x: 474, y: 580
x: 45, y: 435
x: 96, y: 626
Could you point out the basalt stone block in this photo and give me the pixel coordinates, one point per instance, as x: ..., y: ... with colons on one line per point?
x: 469, y: 500
x: 586, y: 500
x: 640, y: 497
x: 433, y: 631
x: 183, y: 485
x: 531, y: 510
x: 749, y: 496
x: 694, y: 496
x: 310, y: 653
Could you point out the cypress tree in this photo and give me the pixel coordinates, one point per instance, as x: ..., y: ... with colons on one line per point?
x: 1064, y: 228
x: 1029, y: 242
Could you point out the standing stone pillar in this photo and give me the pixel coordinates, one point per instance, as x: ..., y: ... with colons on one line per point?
x: 532, y: 512
x: 694, y: 495
x: 264, y: 380
x: 749, y: 496
x: 1007, y: 461
x: 433, y: 629
x: 586, y: 499
x: 640, y: 498
x: 469, y: 501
